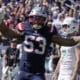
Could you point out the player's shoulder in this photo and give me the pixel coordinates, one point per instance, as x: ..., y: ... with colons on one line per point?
x: 23, y: 26
x: 27, y: 25
x: 52, y: 29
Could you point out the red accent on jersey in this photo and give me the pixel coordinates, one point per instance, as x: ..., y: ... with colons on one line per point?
x: 20, y: 26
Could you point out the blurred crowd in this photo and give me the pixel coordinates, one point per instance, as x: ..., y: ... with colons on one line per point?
x: 16, y: 11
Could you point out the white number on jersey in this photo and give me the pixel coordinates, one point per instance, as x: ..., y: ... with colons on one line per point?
x: 29, y: 42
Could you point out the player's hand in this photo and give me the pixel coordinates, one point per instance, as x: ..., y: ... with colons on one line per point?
x: 54, y: 76
x: 76, y: 38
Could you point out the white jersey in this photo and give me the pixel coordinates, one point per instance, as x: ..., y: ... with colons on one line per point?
x: 67, y: 60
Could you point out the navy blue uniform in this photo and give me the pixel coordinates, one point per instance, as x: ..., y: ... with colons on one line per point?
x: 34, y: 49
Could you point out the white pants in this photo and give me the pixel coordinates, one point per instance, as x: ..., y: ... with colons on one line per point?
x: 64, y: 77
x: 67, y: 77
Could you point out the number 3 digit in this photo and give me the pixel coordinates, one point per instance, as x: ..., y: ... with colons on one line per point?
x: 42, y: 44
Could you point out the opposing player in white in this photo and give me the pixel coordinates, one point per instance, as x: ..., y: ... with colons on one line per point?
x: 69, y: 62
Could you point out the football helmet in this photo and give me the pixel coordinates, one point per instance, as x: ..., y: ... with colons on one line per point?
x: 37, y: 17
x: 71, y: 25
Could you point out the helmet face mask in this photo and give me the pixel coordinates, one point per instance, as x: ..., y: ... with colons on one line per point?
x: 37, y: 17
x: 36, y: 21
x: 71, y: 26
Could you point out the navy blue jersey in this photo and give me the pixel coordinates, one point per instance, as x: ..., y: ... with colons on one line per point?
x: 35, y: 47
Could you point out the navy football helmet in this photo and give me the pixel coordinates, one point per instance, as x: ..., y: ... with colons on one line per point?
x: 37, y: 17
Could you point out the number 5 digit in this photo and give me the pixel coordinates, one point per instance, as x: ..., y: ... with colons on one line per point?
x: 29, y: 43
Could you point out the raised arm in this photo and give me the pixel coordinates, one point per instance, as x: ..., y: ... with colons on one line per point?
x: 9, y: 33
x: 62, y: 41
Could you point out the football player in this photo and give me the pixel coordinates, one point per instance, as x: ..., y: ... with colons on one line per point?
x: 69, y: 62
x: 37, y: 38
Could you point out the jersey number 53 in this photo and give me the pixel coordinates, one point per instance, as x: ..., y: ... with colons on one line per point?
x: 30, y: 47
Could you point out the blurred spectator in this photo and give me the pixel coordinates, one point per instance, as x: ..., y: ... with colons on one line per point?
x: 38, y: 2
x: 10, y: 60
x: 58, y: 22
x: 28, y: 6
x: 6, y: 1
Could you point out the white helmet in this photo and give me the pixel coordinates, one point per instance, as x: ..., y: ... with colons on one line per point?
x: 72, y: 25
x: 37, y: 17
